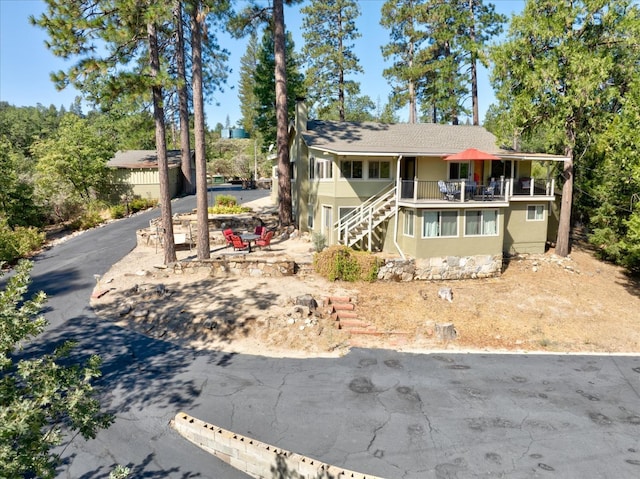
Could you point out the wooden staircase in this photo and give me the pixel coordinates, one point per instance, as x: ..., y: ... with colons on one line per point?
x: 362, y: 221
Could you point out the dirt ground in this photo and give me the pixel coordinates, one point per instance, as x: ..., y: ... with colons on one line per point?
x: 539, y: 303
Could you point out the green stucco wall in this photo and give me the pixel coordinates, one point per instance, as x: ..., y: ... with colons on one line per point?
x: 522, y: 236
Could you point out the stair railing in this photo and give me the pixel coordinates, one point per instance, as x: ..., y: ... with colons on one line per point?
x: 364, y: 212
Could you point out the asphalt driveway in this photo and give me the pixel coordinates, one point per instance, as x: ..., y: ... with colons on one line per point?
x: 395, y: 415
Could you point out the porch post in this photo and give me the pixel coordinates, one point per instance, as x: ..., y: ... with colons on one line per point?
x: 462, y: 191
x: 415, y: 188
x: 531, y: 186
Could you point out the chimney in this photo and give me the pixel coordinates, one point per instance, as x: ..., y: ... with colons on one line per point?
x: 302, y: 114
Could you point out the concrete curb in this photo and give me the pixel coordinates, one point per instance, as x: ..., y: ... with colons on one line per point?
x: 256, y: 458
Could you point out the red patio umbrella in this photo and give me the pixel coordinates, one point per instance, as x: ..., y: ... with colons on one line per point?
x: 471, y: 154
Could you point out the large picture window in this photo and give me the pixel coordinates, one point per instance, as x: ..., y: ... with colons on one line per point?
x: 351, y: 169
x: 379, y: 169
x: 409, y: 221
x: 439, y: 223
x: 481, y: 223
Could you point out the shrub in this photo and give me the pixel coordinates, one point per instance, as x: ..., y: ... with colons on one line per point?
x: 139, y: 204
x: 92, y: 216
x: 319, y: 242
x: 18, y: 242
x: 228, y: 210
x: 118, y: 211
x: 226, y: 200
x: 343, y: 263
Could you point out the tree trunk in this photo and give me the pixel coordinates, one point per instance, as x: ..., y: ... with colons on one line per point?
x: 183, y: 101
x: 474, y: 66
x: 197, y: 20
x: 285, y: 211
x: 341, y: 112
x: 413, y: 110
x: 564, y: 226
x: 161, y: 150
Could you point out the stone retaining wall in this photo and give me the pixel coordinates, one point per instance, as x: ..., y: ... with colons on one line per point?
x: 255, y: 458
x: 446, y: 268
x: 240, y: 265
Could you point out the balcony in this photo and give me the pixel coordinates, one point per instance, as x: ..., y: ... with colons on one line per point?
x: 422, y: 192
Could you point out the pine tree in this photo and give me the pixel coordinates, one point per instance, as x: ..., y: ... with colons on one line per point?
x: 329, y: 30
x: 265, y: 85
x: 402, y: 18
x: 247, y: 85
x: 565, y: 65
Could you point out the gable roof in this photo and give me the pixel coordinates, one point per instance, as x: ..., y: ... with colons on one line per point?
x: 417, y: 139
x: 130, y: 159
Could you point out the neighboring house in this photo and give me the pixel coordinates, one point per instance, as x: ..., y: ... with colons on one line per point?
x: 135, y: 173
x: 389, y: 188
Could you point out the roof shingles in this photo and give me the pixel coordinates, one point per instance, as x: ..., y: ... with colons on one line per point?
x: 397, y: 139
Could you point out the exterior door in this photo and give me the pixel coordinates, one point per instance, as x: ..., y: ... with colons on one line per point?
x: 408, y: 174
x: 327, y: 221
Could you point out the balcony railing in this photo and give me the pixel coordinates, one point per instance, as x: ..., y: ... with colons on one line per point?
x: 463, y: 191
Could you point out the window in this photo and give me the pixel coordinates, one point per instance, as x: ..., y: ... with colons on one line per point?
x: 351, y: 169
x: 324, y: 169
x: 459, y: 170
x: 379, y: 169
x: 535, y: 213
x: 481, y: 223
x: 439, y: 223
x: 312, y: 167
x: 408, y: 222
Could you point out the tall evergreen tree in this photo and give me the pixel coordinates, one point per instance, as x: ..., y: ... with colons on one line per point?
x: 183, y: 100
x: 444, y: 87
x: 402, y: 18
x: 566, y: 65
x: 482, y: 24
x: 247, y: 85
x: 247, y: 20
x: 265, y: 85
x: 128, y: 31
x: 329, y: 30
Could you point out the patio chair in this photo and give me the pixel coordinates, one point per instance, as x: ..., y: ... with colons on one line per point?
x: 227, y: 235
x: 260, y: 230
x: 265, y: 241
x: 448, y: 190
x: 238, y: 244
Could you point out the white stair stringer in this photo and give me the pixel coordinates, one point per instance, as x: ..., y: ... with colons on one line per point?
x: 364, y: 219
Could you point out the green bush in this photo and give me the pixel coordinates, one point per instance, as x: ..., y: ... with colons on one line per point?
x: 343, y: 263
x: 228, y: 210
x: 18, y: 242
x: 319, y: 242
x: 118, y: 211
x: 226, y: 200
x: 139, y: 204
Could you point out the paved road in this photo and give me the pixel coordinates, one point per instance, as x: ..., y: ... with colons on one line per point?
x: 396, y: 415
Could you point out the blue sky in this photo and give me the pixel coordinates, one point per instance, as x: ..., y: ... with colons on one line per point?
x: 25, y: 62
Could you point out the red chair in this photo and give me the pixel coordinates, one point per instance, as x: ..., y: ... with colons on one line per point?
x: 238, y: 244
x: 265, y: 241
x: 260, y: 230
x: 227, y: 235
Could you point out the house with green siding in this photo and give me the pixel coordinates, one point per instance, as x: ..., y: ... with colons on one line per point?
x: 135, y: 173
x: 435, y: 193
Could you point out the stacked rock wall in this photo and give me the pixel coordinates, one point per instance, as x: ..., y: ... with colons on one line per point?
x: 441, y: 268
